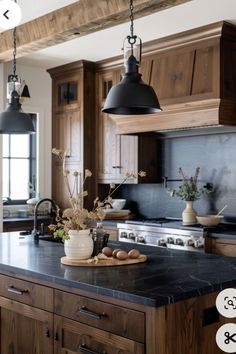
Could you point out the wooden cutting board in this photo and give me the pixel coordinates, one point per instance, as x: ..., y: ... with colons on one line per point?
x: 119, y: 216
x: 102, y: 262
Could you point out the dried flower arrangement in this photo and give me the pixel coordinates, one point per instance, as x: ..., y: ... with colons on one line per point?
x: 189, y: 190
x: 77, y: 217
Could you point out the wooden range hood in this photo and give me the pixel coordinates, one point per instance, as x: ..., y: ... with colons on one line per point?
x: 194, y: 75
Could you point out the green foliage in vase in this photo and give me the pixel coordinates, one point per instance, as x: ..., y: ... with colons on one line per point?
x: 189, y: 190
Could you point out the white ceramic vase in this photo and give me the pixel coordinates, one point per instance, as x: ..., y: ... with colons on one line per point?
x: 189, y: 214
x: 80, y: 244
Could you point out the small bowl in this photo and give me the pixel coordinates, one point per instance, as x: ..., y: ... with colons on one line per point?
x: 118, y: 204
x: 209, y: 220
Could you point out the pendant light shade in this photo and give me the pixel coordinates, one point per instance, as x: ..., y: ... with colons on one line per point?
x: 132, y: 96
x: 13, y: 120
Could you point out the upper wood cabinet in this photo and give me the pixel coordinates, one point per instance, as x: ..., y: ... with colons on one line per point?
x: 67, y: 91
x: 119, y: 154
x: 73, y: 121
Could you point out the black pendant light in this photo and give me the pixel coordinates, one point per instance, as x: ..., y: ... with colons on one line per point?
x: 13, y: 120
x: 132, y: 96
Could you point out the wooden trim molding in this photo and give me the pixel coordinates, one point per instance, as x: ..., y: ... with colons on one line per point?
x: 202, y: 113
x: 77, y: 19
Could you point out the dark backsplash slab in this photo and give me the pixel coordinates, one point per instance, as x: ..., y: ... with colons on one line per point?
x: 214, y: 154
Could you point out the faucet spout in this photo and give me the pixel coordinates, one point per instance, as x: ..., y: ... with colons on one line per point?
x: 35, y: 233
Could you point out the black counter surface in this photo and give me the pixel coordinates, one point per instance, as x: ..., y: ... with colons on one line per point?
x: 168, y: 276
x: 23, y: 219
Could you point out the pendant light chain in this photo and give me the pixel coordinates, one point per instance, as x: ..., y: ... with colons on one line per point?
x: 14, y: 51
x: 131, y: 7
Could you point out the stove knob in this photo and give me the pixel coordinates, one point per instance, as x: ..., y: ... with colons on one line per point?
x: 179, y: 242
x: 170, y: 240
x: 141, y: 239
x: 198, y: 244
x: 190, y: 243
x: 123, y: 235
x: 131, y: 236
x: 162, y: 242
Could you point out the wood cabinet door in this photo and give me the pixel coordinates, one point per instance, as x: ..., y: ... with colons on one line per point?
x: 117, y: 154
x: 127, y: 157
x: 59, y: 189
x: 74, y: 337
x: 25, y: 329
x: 67, y: 92
x: 106, y: 137
x: 106, y: 148
x: 67, y: 134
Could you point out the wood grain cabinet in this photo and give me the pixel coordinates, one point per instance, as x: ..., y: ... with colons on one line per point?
x: 75, y: 337
x: 40, y: 319
x: 26, y: 318
x: 221, y: 246
x: 73, y: 121
x: 97, y: 327
x: 119, y: 154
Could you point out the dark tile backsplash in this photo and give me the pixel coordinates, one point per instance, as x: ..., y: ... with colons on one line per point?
x: 216, y: 156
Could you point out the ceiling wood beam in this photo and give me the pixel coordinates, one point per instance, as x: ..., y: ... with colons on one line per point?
x: 72, y: 21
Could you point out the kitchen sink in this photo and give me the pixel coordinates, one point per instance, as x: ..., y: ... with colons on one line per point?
x: 50, y: 238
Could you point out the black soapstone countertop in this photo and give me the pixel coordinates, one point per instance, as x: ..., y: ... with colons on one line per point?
x: 168, y: 275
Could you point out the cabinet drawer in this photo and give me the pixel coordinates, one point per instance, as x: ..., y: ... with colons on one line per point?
x: 224, y: 249
x: 74, y: 337
x: 26, y: 292
x: 124, y: 322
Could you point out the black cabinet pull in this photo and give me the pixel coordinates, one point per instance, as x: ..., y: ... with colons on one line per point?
x: 56, y: 337
x: 116, y: 166
x: 16, y: 291
x: 85, y: 350
x: 96, y: 315
x: 47, y: 333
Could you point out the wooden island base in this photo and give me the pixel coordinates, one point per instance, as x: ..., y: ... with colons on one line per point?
x: 57, y: 319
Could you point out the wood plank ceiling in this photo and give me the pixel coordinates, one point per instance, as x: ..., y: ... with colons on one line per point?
x: 77, y: 19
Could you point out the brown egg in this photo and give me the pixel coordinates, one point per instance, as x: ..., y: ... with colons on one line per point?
x: 122, y: 255
x: 107, y: 251
x: 133, y: 254
x: 114, y: 253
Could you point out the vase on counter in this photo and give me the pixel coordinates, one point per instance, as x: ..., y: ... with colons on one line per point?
x: 189, y: 214
x: 79, y: 245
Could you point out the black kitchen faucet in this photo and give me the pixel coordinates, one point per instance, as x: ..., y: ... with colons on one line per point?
x: 35, y: 233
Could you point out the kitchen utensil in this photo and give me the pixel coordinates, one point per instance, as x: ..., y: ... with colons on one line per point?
x: 209, y: 220
x: 220, y: 212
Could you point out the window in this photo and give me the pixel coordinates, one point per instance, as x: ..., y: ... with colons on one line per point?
x: 19, y: 166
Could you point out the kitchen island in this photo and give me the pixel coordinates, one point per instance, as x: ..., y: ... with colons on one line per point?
x: 163, y: 306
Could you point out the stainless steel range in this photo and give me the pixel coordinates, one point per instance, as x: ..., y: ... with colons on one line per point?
x: 163, y: 233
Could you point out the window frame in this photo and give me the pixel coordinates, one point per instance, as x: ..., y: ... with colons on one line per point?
x: 32, y: 161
